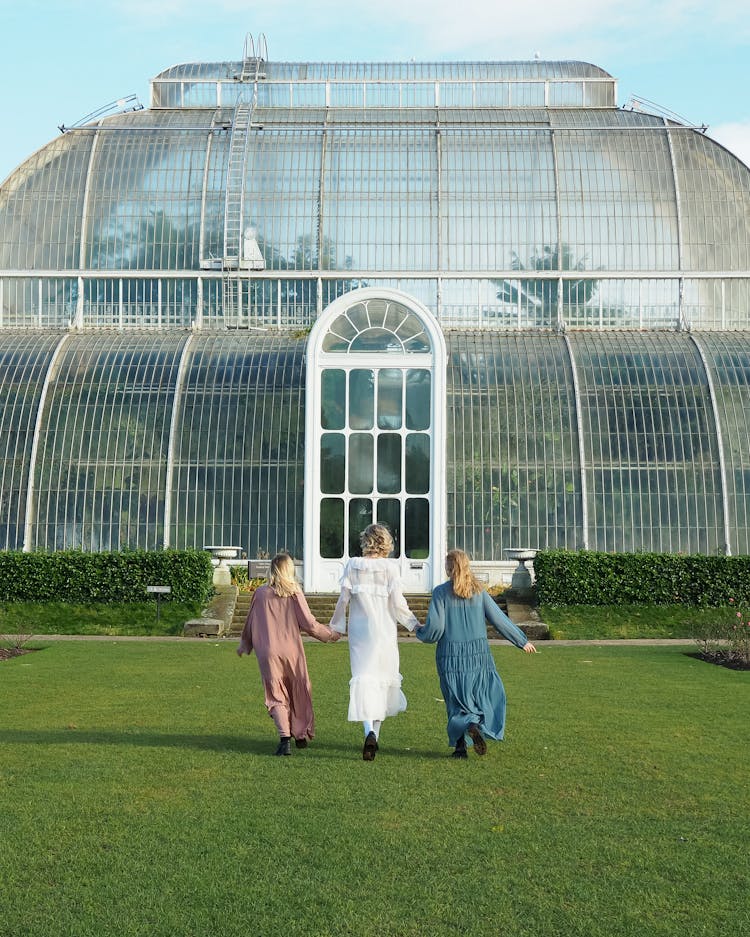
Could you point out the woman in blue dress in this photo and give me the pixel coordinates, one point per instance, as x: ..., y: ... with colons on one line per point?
x: 472, y: 689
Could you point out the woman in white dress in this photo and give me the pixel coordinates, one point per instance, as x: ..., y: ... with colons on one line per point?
x: 371, y: 589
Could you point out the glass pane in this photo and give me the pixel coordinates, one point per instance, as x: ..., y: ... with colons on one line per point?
x: 389, y: 513
x: 376, y: 340
x: 418, y: 395
x: 361, y: 399
x: 389, y: 463
x: 417, y: 524
x: 389, y: 398
x: 331, y: 528
x: 333, y: 397
x: 360, y: 516
x: 418, y: 463
x: 332, y: 465
x: 361, y: 451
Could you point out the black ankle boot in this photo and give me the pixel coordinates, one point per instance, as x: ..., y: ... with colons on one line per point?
x: 460, y: 750
x: 285, y: 747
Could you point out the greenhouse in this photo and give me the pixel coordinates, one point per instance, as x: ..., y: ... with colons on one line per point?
x: 479, y: 302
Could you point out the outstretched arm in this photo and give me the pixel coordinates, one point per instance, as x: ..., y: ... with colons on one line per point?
x: 338, y: 620
x: 308, y: 623
x: 501, y: 623
x: 433, y: 629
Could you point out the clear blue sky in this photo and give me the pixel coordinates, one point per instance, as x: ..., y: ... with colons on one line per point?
x: 59, y: 61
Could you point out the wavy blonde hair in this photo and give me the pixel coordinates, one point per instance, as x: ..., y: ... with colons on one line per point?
x: 376, y: 540
x: 457, y: 566
x: 281, y: 576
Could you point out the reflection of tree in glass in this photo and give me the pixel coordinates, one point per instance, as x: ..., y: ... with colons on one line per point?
x: 543, y: 295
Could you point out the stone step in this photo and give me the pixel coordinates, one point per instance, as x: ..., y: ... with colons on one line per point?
x: 322, y: 606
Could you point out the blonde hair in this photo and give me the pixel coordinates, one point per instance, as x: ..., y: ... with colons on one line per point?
x: 457, y: 566
x: 376, y: 540
x: 281, y: 576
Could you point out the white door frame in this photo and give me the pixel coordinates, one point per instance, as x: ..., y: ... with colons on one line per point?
x: 317, y: 360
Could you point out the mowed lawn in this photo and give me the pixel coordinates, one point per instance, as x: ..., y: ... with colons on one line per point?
x: 140, y: 797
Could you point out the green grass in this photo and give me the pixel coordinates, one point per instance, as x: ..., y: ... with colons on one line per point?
x: 590, y: 622
x: 140, y: 797
x: 116, y: 618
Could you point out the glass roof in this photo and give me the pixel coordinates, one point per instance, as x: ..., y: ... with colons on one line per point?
x: 396, y: 71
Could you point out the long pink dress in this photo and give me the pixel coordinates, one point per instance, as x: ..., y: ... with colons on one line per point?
x: 272, y: 630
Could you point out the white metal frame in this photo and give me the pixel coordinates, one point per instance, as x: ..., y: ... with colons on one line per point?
x: 315, y: 577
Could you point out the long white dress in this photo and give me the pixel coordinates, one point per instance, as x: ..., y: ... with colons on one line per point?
x: 371, y: 588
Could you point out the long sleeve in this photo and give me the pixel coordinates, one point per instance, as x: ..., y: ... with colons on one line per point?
x: 307, y: 621
x: 501, y: 623
x: 338, y: 620
x: 246, y: 640
x: 399, y: 606
x: 434, y: 628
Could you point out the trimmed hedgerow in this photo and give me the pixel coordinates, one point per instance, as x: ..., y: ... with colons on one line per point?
x: 565, y: 577
x: 84, y: 578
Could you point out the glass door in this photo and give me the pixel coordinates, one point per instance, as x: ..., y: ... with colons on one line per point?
x: 371, y: 446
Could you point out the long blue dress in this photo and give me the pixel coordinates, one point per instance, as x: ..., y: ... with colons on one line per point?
x: 471, y: 686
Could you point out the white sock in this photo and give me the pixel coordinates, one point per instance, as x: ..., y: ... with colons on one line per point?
x: 377, y: 723
x: 367, y: 726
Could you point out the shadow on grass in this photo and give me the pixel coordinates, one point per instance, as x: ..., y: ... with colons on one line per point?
x: 250, y: 745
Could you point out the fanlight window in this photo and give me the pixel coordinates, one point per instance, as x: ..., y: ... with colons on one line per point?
x: 377, y: 325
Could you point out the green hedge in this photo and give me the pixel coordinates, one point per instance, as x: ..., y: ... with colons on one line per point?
x: 86, y: 578
x: 589, y: 578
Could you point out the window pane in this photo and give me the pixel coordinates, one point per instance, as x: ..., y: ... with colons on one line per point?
x: 389, y: 513
x: 331, y: 528
x: 361, y: 399
x: 389, y: 399
x: 389, y: 463
x: 361, y: 451
x: 333, y: 396
x: 332, y: 463
x: 360, y: 516
x: 417, y: 523
x: 418, y: 394
x: 418, y: 463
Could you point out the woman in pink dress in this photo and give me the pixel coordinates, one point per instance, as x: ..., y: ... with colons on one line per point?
x: 279, y: 611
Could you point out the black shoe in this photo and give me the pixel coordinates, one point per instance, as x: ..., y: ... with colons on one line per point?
x: 480, y: 746
x: 284, y: 746
x: 370, y: 747
x: 460, y: 752
x: 300, y: 743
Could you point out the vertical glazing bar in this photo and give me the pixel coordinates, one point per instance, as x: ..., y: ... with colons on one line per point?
x: 121, y: 303
x: 678, y: 206
x: 85, y: 223
x: 30, y: 503
x: 719, y: 443
x: 197, y: 322
x: 581, y: 447
x: 204, y: 190
x: 169, y: 475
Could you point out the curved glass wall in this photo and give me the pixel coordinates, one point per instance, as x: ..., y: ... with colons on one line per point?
x: 104, y: 430
x: 527, y: 216
x: 24, y: 363
x: 239, y: 456
x: 619, y: 441
x: 514, y: 475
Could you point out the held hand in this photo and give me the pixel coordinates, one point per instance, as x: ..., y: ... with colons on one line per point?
x: 335, y: 636
x: 529, y: 648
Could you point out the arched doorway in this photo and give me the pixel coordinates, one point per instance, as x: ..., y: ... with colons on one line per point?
x: 375, y: 436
